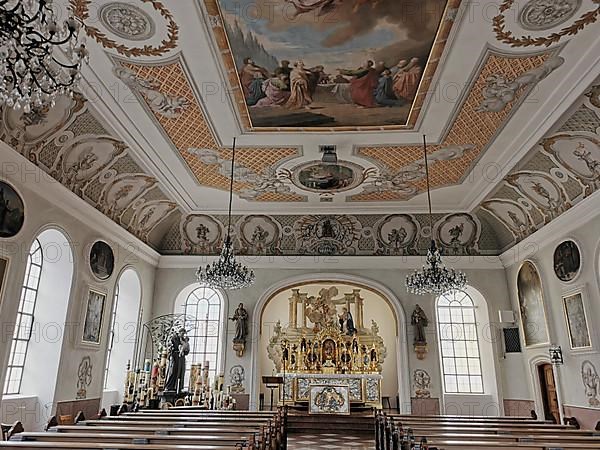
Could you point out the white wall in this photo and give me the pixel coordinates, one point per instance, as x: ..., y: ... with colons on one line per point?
x: 49, y: 205
x: 383, y: 273
x: 580, y: 224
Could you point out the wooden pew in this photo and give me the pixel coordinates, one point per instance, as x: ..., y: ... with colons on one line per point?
x: 497, y: 435
x: 106, y: 446
x: 216, y: 440
x: 164, y: 430
x: 9, y: 430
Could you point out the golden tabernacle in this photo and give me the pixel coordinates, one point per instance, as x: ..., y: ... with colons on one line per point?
x: 326, y: 343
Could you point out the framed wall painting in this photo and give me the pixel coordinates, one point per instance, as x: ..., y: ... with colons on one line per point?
x: 12, y: 211
x: 567, y: 261
x: 577, y: 322
x: 102, y: 260
x: 531, y: 305
x: 94, y: 313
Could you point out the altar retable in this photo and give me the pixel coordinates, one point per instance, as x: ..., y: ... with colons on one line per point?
x: 325, y: 346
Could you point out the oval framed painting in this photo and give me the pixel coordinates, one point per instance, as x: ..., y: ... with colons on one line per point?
x: 319, y: 177
x: 102, y: 260
x: 12, y: 211
x: 567, y: 261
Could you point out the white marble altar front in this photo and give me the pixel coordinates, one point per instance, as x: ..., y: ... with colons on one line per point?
x: 364, y: 388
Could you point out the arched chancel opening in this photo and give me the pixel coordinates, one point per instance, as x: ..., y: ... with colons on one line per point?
x: 124, y: 324
x: 40, y: 329
x: 380, y: 305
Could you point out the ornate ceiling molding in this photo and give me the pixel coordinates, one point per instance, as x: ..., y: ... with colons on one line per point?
x: 500, y: 85
x: 332, y: 235
x: 563, y: 170
x: 124, y: 16
x: 536, y: 16
x: 165, y: 90
x: 72, y: 146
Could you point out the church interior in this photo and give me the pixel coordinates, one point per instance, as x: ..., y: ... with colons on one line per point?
x: 300, y: 224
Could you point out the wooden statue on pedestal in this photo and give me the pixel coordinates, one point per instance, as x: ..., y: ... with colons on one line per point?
x: 419, y: 320
x: 240, y: 317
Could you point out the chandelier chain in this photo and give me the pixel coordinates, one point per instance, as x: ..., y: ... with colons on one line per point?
x: 231, y: 190
x: 226, y: 272
x: 434, y: 277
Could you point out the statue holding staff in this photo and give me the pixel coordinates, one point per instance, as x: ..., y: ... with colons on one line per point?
x: 420, y: 321
x: 179, y: 348
x: 240, y: 317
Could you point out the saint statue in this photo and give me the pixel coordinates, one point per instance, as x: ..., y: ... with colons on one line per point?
x: 178, y: 350
x: 346, y: 322
x: 240, y: 317
x: 420, y: 321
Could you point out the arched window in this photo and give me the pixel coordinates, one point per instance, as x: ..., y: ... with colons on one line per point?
x: 204, y: 306
x: 111, y: 335
x: 24, y: 322
x: 124, y: 324
x: 459, y: 344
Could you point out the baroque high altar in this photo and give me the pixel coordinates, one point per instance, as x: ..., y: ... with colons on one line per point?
x: 327, y: 344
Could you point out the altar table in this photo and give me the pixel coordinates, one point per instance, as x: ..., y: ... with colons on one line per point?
x: 364, y: 388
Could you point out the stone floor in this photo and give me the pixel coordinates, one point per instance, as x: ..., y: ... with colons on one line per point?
x: 329, y: 442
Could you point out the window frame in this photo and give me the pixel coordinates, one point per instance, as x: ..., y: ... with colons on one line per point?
x: 198, y: 340
x: 26, y: 287
x: 455, y: 304
x: 111, y: 334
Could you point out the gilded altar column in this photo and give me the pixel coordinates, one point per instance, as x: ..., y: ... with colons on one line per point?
x: 304, y: 300
x: 294, y: 308
x: 359, y: 302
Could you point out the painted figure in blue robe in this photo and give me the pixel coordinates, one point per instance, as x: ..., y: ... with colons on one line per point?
x: 384, y: 94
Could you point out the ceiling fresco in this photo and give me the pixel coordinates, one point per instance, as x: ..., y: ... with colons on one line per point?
x: 562, y: 170
x: 502, y: 82
x: 147, y: 142
x: 315, y: 64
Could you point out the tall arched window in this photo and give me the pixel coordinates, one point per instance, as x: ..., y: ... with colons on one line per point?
x: 459, y: 343
x: 204, y: 306
x: 124, y: 323
x: 111, y: 335
x: 24, y: 322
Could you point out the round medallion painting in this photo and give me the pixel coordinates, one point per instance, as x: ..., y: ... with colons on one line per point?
x: 317, y: 176
x: 102, y: 260
x: 567, y: 261
x: 12, y: 211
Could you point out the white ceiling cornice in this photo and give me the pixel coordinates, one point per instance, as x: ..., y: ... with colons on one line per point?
x: 57, y: 194
x: 333, y: 262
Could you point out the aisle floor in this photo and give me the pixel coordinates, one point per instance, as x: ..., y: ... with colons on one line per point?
x: 329, y: 442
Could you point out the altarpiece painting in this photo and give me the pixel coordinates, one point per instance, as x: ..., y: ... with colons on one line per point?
x: 531, y: 305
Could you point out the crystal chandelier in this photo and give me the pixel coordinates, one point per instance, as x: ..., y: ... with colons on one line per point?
x: 40, y: 58
x: 226, y: 272
x: 434, y: 277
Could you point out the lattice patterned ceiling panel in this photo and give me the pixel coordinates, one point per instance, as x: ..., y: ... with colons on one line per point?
x: 162, y: 85
x: 471, y: 125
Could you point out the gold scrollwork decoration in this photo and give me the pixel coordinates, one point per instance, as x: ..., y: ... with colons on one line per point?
x: 81, y: 10
x: 507, y: 37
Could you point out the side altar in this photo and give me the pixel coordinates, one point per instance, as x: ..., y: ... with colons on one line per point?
x: 324, y: 345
